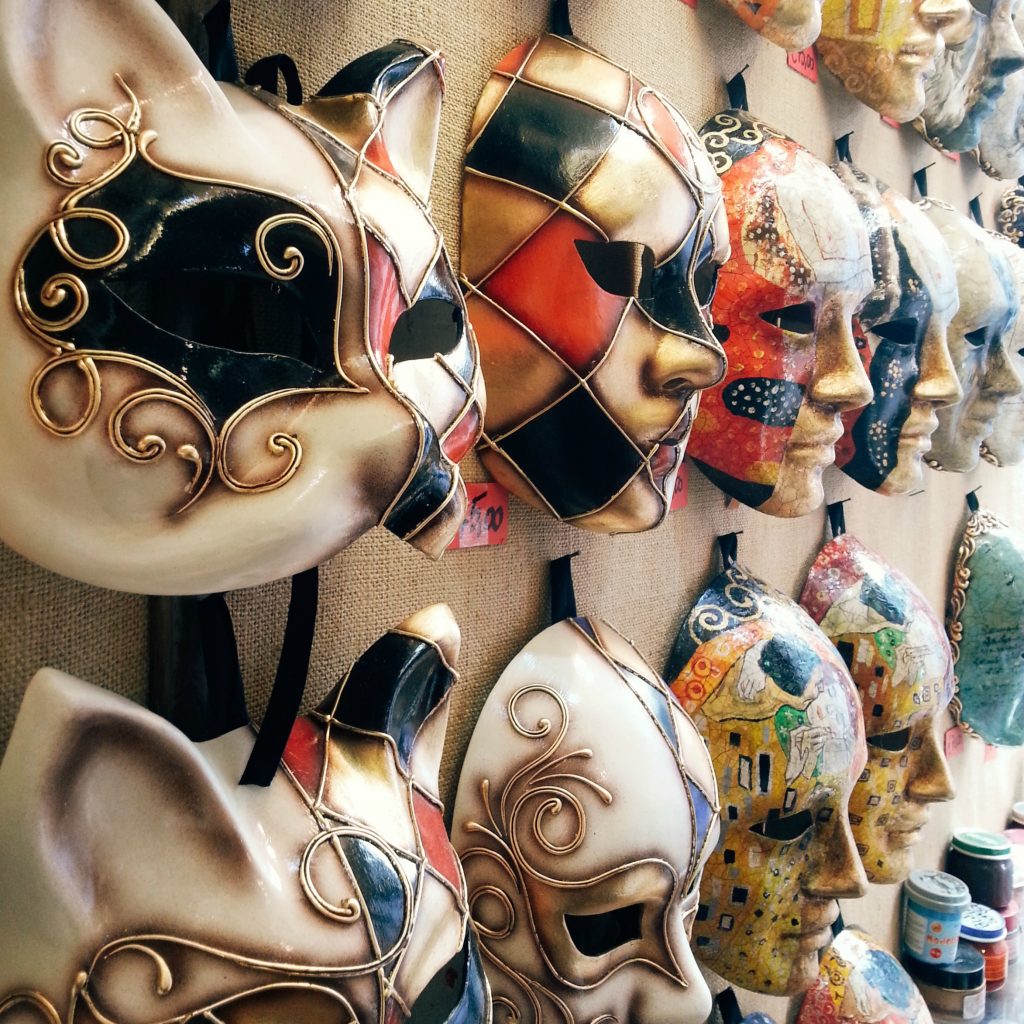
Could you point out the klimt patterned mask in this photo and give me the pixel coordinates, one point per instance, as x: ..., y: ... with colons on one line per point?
x: 236, y: 341
x: 592, y: 234
x: 900, y: 661
x: 781, y: 718
x: 800, y: 267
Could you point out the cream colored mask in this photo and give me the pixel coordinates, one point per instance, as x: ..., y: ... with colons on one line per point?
x: 882, y: 50
x: 979, y: 338
x: 142, y: 883
x: 236, y: 341
x: 969, y: 77
x: 1001, y: 140
x: 586, y: 809
x: 791, y: 24
x: 782, y: 722
x: 1004, y: 446
x: 899, y: 657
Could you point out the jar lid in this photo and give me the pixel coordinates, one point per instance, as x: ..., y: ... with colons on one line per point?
x: 966, y: 972
x: 982, y: 924
x: 976, y: 842
x: 937, y: 889
x: 1017, y: 812
x: 1010, y: 914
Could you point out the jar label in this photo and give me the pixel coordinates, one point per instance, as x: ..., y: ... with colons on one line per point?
x: 930, y: 935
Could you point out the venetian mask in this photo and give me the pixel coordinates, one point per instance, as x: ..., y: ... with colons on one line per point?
x: 592, y: 232
x: 1010, y: 214
x: 585, y: 811
x: 791, y: 24
x: 882, y: 50
x: 969, y: 77
x: 800, y: 267
x: 143, y: 883
x: 978, y: 337
x: 782, y: 722
x: 1005, y: 445
x: 986, y: 630
x: 860, y: 982
x: 1001, y: 137
x: 901, y: 336
x: 236, y: 341
x: 900, y: 661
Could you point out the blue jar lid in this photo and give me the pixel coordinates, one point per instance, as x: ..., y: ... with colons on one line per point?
x: 937, y: 890
x: 982, y: 924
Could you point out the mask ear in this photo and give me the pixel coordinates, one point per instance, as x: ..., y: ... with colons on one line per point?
x: 388, y: 100
x: 399, y: 688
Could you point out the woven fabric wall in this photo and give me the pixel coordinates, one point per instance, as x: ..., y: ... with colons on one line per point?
x: 643, y: 584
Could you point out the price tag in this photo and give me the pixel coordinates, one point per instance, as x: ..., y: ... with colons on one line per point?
x: 682, y: 488
x: 691, y: 3
x: 954, y: 742
x: 804, y: 62
x: 955, y: 157
x: 990, y: 752
x: 486, y: 522
x: 891, y: 122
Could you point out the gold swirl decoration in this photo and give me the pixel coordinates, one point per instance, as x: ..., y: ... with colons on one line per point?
x: 978, y: 524
x: 536, y: 796
x: 1010, y: 217
x: 730, y: 130
x: 63, y: 300
x: 745, y: 605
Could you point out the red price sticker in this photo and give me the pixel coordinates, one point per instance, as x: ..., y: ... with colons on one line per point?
x: 954, y: 741
x: 891, y: 122
x: 955, y: 157
x: 486, y: 522
x: 804, y: 62
x: 679, y: 494
x: 691, y: 3
x: 990, y: 752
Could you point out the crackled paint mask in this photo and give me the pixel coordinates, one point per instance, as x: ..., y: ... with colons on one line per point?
x: 791, y: 24
x: 882, y: 50
x: 1004, y: 446
x: 986, y: 630
x: 592, y: 232
x: 800, y: 267
x: 979, y: 336
x: 901, y: 333
x: 236, y: 342
x: 969, y: 77
x: 782, y: 722
x: 860, y: 982
x: 900, y: 661
x: 583, y: 852
x: 1000, y: 149
x: 143, y: 883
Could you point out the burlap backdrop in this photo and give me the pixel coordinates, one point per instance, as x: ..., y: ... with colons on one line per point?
x: 643, y: 584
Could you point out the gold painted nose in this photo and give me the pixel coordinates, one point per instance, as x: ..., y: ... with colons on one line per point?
x: 680, y: 366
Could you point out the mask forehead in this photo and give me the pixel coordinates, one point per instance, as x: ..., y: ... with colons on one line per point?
x: 592, y: 232
x: 550, y: 799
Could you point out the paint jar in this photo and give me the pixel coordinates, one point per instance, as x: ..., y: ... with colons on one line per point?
x: 956, y: 990
x: 984, y: 929
x: 1011, y: 918
x: 982, y: 860
x: 933, y: 905
x: 1016, y: 816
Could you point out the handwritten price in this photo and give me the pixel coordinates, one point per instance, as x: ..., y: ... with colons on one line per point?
x: 486, y: 522
x: 804, y: 62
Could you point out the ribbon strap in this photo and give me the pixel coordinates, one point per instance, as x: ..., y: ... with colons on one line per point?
x: 563, y: 593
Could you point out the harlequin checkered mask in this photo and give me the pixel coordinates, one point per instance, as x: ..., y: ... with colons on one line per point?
x: 586, y: 808
x: 782, y: 721
x: 898, y: 655
x: 142, y: 883
x: 236, y: 342
x: 800, y: 268
x: 592, y: 233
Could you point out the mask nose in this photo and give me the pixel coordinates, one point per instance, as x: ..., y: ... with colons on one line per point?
x: 930, y: 781
x: 835, y: 871
x: 838, y: 380
x: 1008, y: 53
x: 952, y: 18
x: 680, y: 366
x: 937, y: 383
x: 1001, y: 380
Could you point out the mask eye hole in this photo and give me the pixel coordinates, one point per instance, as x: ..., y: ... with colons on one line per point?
x: 891, y: 741
x: 705, y: 282
x: 976, y: 338
x: 427, y: 328
x: 798, y: 319
x: 597, y: 934
x: 902, y: 332
x: 619, y: 268
x: 784, y: 828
